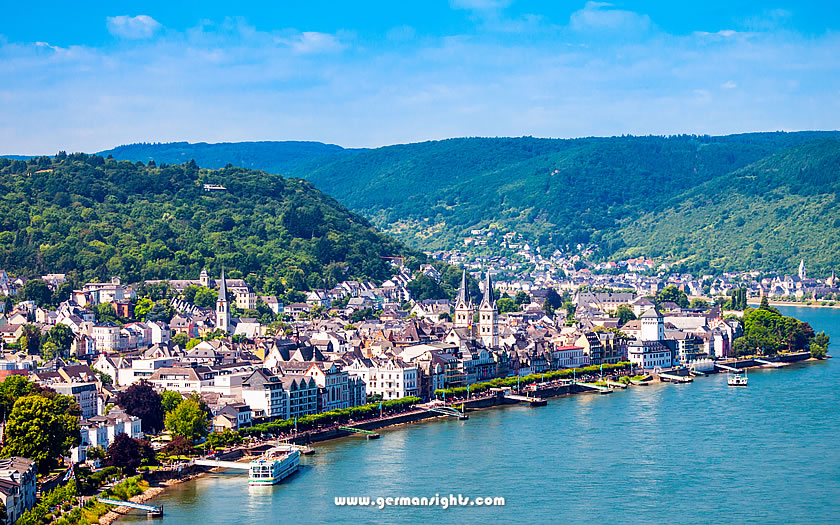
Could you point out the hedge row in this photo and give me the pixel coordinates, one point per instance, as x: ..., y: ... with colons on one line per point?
x: 330, y: 418
x: 500, y: 382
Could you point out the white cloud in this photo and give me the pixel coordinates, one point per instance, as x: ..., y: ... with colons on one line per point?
x: 132, y: 27
x: 312, y: 42
x: 601, y: 16
x: 729, y: 84
x: 479, y: 4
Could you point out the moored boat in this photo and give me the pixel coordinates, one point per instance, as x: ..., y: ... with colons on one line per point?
x: 272, y: 467
x: 737, y: 379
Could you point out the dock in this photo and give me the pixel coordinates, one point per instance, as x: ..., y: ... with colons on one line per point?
x: 727, y: 368
x: 446, y: 411
x: 221, y: 464
x: 533, y: 401
x: 369, y: 434
x: 151, y: 510
x: 599, y: 388
x: 675, y: 379
x: 616, y: 384
x: 770, y: 364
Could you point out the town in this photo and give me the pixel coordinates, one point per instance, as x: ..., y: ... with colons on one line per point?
x: 247, y: 360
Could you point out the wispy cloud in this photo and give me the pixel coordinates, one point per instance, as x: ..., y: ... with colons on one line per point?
x: 479, y: 4
x: 132, y: 27
x: 227, y: 80
x: 602, y: 16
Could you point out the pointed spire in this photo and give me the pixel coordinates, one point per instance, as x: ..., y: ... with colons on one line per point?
x: 488, y: 298
x: 223, y: 288
x: 462, y: 291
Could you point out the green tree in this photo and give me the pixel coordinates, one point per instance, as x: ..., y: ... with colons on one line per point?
x: 181, y: 339
x: 205, y: 297
x: 41, y: 429
x: 11, y: 389
x: 141, y: 400
x: 672, y: 294
x: 49, y: 351
x: 624, y: 314
x: 506, y: 305
x: 62, y: 336
x: 38, y: 291
x: 105, y: 312
x: 187, y: 420
x: 170, y: 400
x: 424, y: 287
x: 30, y: 339
x: 143, y: 306
x: 522, y: 298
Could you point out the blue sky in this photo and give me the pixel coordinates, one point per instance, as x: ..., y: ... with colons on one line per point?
x: 88, y: 77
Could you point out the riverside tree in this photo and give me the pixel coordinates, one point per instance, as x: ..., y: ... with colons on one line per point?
x: 141, y: 400
x: 188, y: 420
x: 42, y: 429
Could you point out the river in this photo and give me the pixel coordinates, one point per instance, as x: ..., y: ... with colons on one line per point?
x: 695, y: 453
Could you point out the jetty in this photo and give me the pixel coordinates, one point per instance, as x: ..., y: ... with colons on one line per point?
x: 727, y: 368
x: 616, y: 384
x: 369, y: 434
x: 215, y: 463
x: 671, y: 378
x: 151, y: 510
x: 533, y: 401
x: 445, y: 410
x: 592, y: 386
x: 770, y: 364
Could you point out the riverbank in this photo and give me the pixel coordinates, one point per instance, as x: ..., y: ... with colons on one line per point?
x: 158, y: 481
x: 810, y: 304
x: 547, y: 390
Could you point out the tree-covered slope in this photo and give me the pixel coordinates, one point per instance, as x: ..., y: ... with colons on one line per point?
x: 273, y: 157
x: 556, y: 192
x: 767, y: 216
x: 103, y: 217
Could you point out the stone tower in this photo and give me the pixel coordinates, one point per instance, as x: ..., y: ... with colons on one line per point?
x: 488, y: 317
x: 802, y: 269
x: 653, y: 326
x: 222, y: 307
x: 204, y: 278
x: 463, y: 305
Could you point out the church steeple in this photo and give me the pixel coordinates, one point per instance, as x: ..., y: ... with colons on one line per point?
x: 463, y: 305
x: 802, y: 269
x: 488, y: 316
x: 222, y: 308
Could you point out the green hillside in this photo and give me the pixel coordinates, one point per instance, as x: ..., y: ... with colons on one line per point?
x: 273, y: 157
x: 101, y: 217
x: 767, y: 216
x: 556, y: 192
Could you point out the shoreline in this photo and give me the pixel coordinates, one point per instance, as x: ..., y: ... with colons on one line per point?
x: 795, y: 303
x: 399, y: 420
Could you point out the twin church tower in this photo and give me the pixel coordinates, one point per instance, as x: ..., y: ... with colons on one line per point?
x: 488, y: 314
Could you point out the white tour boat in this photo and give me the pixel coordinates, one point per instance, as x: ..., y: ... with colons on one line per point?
x: 737, y: 379
x: 276, y: 464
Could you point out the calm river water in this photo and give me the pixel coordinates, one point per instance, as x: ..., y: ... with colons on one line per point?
x: 696, y: 453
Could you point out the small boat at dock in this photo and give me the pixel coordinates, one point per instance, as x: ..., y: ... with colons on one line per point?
x: 737, y: 379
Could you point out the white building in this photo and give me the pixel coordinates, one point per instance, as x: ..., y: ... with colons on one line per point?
x: 390, y: 378
x: 100, y: 431
x: 106, y: 336
x: 17, y: 486
x: 83, y: 393
x: 180, y: 379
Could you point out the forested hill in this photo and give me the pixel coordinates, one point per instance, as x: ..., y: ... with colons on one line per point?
x: 103, y: 217
x: 768, y: 215
x: 273, y: 157
x: 556, y: 192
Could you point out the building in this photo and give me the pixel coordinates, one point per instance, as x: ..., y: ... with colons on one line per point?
x: 651, y: 350
x: 17, y: 486
x: 463, y: 305
x: 488, y: 317
x: 389, y: 378
x: 100, y: 431
x: 337, y: 388
x: 181, y: 379
x: 233, y: 416
x: 106, y: 336
x: 569, y: 357
x: 83, y: 393
x: 264, y: 393
x: 222, y: 307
